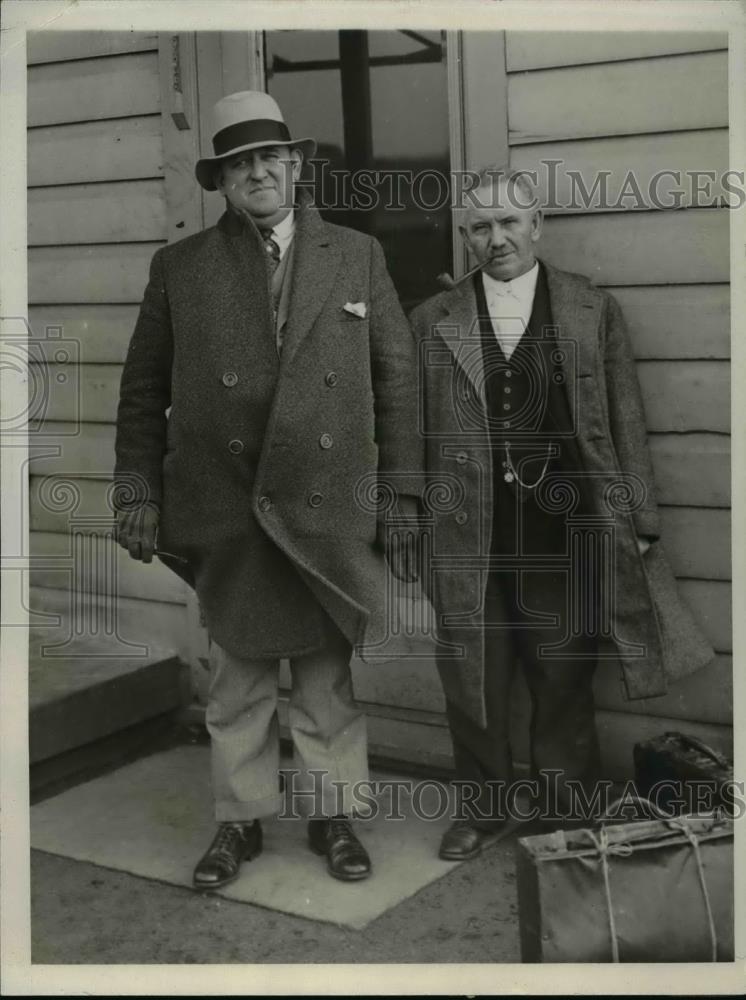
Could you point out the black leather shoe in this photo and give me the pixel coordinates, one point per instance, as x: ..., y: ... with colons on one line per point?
x: 233, y: 843
x: 346, y: 858
x: 461, y: 841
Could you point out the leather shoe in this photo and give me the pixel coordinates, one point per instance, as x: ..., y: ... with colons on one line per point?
x: 460, y: 842
x: 346, y: 858
x: 233, y: 843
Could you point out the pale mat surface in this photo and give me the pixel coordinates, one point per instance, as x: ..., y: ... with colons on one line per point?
x: 153, y: 818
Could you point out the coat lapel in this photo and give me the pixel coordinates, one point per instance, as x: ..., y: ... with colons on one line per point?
x: 316, y: 259
x: 459, y: 330
x: 576, y: 309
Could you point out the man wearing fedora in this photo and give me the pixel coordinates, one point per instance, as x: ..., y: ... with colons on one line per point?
x: 268, y: 375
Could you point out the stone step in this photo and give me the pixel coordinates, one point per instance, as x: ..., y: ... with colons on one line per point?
x: 92, y: 692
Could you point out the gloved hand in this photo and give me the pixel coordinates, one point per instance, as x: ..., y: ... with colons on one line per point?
x: 401, y: 541
x: 136, y: 531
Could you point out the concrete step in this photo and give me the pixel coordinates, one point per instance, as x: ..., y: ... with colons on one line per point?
x: 87, y: 695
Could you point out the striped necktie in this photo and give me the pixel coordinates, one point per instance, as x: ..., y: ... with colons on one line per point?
x: 272, y: 247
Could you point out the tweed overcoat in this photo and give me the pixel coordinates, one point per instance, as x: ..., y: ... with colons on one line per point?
x: 342, y: 410
x: 655, y: 637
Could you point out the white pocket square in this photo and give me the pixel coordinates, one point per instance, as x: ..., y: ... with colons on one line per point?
x: 358, y: 309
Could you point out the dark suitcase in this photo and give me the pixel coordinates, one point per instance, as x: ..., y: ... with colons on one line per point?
x: 691, y: 777
x: 648, y: 891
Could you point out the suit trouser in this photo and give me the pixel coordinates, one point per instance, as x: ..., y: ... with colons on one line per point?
x: 562, y: 728
x: 327, y: 728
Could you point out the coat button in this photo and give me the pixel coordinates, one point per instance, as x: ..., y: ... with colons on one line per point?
x: 461, y: 457
x: 230, y: 379
x: 235, y: 447
x: 326, y: 441
x: 331, y: 379
x: 264, y: 504
x: 462, y: 517
x: 315, y: 499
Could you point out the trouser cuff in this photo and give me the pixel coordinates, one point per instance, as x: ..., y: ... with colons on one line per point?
x: 227, y: 811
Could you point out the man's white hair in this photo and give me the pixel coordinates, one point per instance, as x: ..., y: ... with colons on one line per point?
x: 519, y: 188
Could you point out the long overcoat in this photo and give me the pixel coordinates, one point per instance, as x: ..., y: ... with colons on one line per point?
x: 654, y: 635
x: 342, y: 414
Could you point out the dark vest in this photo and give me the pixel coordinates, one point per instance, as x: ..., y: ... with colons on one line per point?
x: 528, y: 410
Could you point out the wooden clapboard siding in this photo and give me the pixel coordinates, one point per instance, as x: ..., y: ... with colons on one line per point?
x: 121, y: 212
x: 691, y: 470
x: 408, y: 683
x: 55, y: 500
x: 649, y: 95
x: 686, y: 395
x: 91, y: 396
x: 697, y: 540
x: 706, y: 695
x: 51, y: 566
x: 60, y: 46
x: 155, y: 623
x: 86, y: 449
x: 124, y: 149
x: 629, y: 166
x: 642, y: 248
x: 93, y: 89
x: 106, y: 273
x: 101, y: 332
x: 711, y: 603
x: 677, y: 321
x: 542, y: 49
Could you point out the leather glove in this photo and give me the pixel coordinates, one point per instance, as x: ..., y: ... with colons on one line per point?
x: 136, y: 531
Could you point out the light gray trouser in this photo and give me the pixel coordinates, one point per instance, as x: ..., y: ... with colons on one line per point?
x: 327, y: 728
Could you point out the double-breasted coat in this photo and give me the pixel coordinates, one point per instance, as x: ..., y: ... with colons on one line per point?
x: 261, y: 463
x: 654, y: 634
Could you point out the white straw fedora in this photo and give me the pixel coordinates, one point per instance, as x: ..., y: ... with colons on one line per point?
x: 249, y: 119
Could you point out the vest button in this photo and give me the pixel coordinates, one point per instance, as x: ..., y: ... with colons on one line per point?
x: 315, y: 499
x: 264, y: 504
x: 331, y: 379
x: 462, y: 517
x: 235, y: 447
x: 506, y: 406
x: 326, y: 441
x: 508, y: 374
x: 230, y: 379
x: 461, y: 457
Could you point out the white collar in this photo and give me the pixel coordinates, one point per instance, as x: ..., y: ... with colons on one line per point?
x: 285, y: 228
x: 523, y: 287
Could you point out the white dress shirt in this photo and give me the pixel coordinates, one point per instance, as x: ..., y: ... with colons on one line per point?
x: 509, y: 304
x: 283, y: 233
